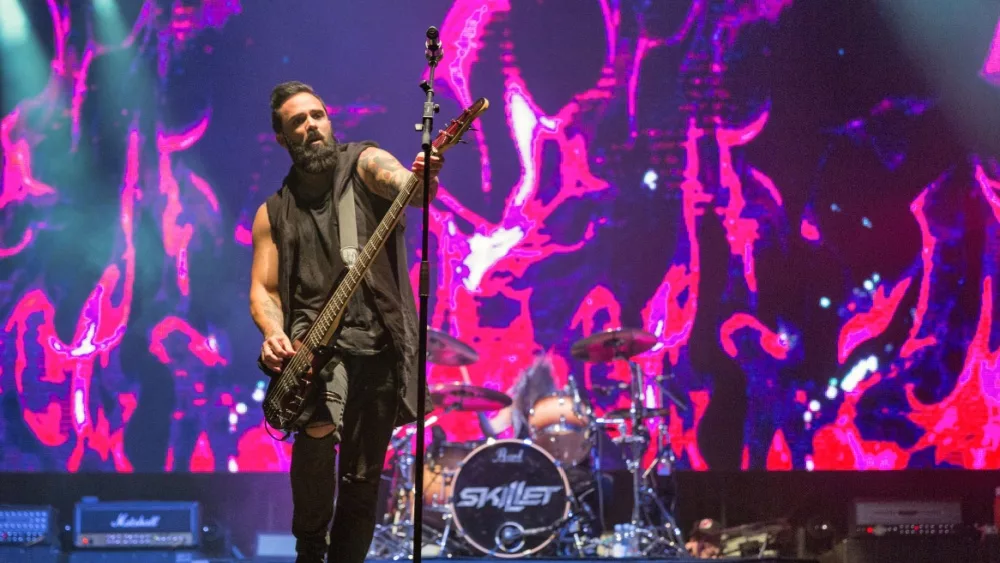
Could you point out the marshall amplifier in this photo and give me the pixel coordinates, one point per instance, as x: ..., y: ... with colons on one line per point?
x: 132, y: 524
x: 906, y: 518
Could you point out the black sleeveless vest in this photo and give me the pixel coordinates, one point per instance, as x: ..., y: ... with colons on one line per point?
x: 389, y: 292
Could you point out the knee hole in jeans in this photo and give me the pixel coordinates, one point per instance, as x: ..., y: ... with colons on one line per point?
x: 320, y: 431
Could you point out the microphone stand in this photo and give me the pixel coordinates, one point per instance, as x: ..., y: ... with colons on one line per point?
x: 433, y: 54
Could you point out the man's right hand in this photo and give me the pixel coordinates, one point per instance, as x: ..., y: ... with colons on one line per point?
x: 276, y: 348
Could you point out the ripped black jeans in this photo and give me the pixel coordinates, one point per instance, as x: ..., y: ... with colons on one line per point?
x: 363, y: 410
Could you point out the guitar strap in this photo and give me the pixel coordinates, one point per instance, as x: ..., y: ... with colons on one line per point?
x: 347, y: 221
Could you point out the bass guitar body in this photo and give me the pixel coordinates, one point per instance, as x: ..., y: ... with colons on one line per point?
x: 290, y: 399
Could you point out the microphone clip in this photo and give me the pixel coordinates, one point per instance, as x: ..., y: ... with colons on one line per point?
x: 432, y: 46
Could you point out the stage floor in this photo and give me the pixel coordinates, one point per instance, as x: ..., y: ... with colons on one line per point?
x: 9, y: 555
x: 606, y: 560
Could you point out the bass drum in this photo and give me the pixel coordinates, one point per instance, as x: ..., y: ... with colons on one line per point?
x: 511, y: 498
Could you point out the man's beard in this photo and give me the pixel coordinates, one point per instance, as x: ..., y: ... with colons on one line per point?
x: 314, y: 159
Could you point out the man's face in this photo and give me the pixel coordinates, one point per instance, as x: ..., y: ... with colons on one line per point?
x: 307, y: 134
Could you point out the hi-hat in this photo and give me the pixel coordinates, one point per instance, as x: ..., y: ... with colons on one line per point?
x: 446, y: 350
x: 614, y: 344
x: 462, y: 397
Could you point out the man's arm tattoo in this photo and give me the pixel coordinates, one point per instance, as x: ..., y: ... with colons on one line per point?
x: 267, y: 313
x: 383, y: 174
x: 277, y: 319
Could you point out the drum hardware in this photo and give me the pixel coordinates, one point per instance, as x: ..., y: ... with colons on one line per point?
x: 576, y: 534
x: 640, y: 536
x: 617, y: 386
x: 667, y: 535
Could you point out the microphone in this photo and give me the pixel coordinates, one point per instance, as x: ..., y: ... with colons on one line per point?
x: 571, y: 383
x: 576, y: 394
x: 510, y: 537
x: 433, y: 42
x: 573, y: 389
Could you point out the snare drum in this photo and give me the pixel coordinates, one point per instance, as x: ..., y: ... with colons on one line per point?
x: 558, y: 425
x: 511, y: 498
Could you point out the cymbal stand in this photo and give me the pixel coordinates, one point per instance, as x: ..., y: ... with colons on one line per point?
x: 666, y: 535
x: 664, y: 457
x: 637, y: 440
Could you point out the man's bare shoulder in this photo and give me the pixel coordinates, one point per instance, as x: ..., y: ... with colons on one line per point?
x: 261, y: 223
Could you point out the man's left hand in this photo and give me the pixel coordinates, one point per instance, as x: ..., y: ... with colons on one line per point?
x: 418, y: 168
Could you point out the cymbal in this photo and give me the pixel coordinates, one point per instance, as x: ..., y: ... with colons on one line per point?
x: 461, y: 397
x: 446, y: 350
x: 650, y: 413
x: 613, y: 344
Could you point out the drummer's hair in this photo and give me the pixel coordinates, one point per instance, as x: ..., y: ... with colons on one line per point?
x: 535, y: 382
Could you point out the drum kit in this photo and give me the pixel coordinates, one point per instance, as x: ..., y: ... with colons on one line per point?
x: 512, y: 498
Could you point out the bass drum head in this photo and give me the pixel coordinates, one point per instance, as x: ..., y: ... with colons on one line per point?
x: 510, y: 498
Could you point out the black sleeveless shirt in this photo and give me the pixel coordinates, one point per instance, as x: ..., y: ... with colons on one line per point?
x: 316, y: 270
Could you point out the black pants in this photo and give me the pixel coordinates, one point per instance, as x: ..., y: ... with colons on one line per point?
x: 361, y: 401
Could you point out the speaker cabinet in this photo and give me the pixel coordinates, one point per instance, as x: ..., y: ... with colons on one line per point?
x: 897, y: 549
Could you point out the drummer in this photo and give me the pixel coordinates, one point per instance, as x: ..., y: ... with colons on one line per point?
x: 534, y: 383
